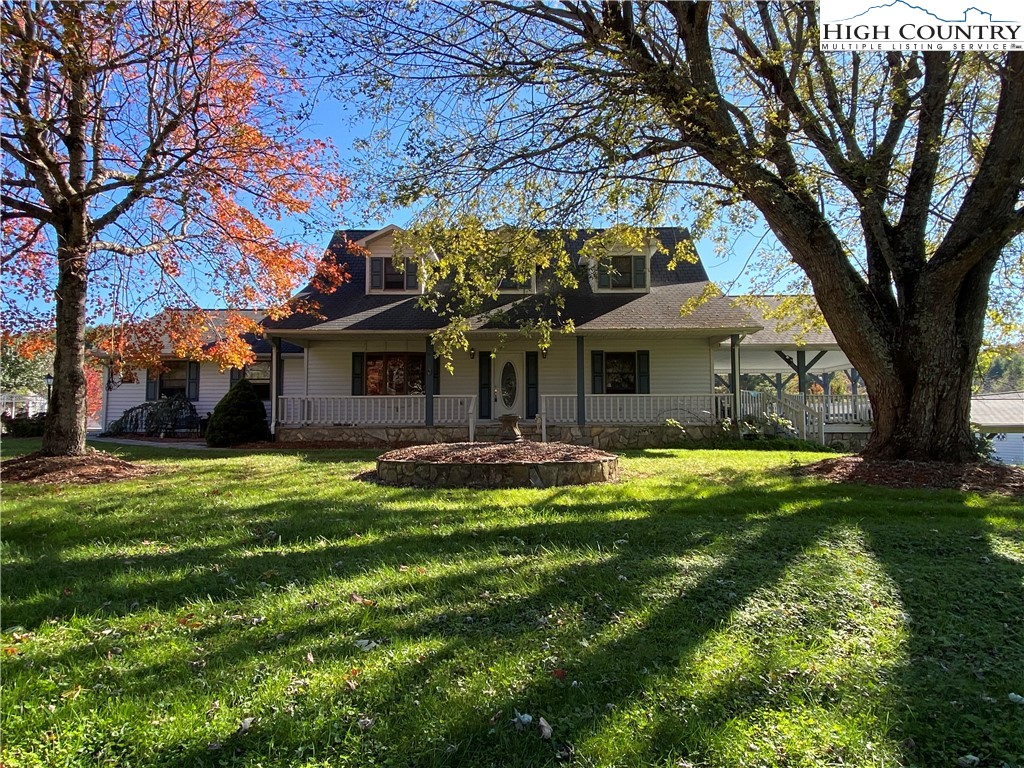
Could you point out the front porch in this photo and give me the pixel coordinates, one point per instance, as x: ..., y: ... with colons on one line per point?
x: 565, y: 417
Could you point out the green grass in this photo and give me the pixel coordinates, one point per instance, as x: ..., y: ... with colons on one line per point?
x: 709, y: 610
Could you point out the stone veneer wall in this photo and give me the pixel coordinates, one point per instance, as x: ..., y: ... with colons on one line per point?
x: 605, y: 437
x: 521, y: 475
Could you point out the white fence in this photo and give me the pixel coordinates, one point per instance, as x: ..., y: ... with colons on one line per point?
x: 22, y: 405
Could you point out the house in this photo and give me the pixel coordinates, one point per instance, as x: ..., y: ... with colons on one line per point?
x: 202, y: 383
x: 632, y: 364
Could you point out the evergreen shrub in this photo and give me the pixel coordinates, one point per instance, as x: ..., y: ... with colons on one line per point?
x: 238, y: 418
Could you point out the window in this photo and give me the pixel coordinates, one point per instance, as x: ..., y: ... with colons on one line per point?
x: 178, y: 377
x: 623, y: 272
x: 258, y: 374
x: 399, y: 373
x: 517, y: 285
x: 385, y: 276
x: 621, y: 373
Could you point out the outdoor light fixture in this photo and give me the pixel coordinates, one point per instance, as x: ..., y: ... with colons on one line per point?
x: 472, y: 353
x: 48, y: 378
x: 544, y: 353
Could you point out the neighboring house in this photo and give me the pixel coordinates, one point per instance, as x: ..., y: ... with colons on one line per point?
x: 202, y: 383
x: 633, y: 362
x: 1001, y: 415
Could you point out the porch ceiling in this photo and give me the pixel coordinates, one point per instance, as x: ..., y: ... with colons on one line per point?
x: 759, y: 359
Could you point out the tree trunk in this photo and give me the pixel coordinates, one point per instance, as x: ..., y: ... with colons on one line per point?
x: 64, y: 432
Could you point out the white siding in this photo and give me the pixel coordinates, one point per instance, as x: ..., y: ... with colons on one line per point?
x: 123, y: 397
x: 293, y: 382
x: 1010, y: 449
x: 677, y: 365
x: 212, y: 387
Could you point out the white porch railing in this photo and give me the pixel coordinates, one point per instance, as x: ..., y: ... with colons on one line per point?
x: 687, y: 409
x: 638, y: 409
x: 841, y: 409
x: 374, y: 410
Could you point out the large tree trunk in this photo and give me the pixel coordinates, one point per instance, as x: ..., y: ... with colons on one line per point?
x: 64, y: 433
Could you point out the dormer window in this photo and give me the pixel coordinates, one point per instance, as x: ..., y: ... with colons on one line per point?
x: 518, y: 285
x: 386, y: 276
x: 623, y: 273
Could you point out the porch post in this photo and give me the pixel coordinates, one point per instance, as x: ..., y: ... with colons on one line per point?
x: 428, y: 384
x: 854, y: 382
x: 275, y: 382
x: 581, y: 394
x: 801, y: 371
x: 734, y: 357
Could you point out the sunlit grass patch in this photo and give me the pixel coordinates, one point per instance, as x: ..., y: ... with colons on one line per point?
x: 268, y: 609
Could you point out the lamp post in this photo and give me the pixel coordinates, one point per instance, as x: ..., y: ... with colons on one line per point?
x: 48, y: 378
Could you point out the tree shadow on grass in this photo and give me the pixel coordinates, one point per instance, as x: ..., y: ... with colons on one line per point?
x: 642, y: 596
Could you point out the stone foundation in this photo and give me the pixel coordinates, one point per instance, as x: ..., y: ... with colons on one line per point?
x: 605, y: 437
x: 847, y: 441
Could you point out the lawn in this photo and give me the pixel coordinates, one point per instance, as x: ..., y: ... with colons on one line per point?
x: 268, y: 609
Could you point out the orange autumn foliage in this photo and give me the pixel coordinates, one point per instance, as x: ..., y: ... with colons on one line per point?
x: 167, y: 138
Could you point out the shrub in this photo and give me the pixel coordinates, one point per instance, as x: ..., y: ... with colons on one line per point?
x: 166, y: 416
x: 25, y: 426
x: 238, y: 418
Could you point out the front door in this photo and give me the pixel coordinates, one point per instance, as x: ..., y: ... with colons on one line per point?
x: 508, y: 384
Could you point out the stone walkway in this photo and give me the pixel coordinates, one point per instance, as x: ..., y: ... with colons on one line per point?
x: 185, y: 445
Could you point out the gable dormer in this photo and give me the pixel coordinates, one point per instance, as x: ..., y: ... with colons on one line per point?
x: 386, y: 271
x: 623, y: 269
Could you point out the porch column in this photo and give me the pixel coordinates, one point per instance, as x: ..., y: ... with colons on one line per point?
x: 428, y: 384
x: 854, y: 382
x: 275, y: 382
x: 581, y: 394
x: 734, y: 359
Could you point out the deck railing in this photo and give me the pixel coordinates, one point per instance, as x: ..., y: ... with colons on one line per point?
x: 375, y: 410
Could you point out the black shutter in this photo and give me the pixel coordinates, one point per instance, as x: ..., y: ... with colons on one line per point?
x: 597, y: 372
x: 437, y: 375
x: 192, y: 385
x: 357, y: 373
x: 152, y: 385
x: 532, y: 376
x: 604, y: 279
x: 639, y: 271
x: 376, y: 273
x: 237, y: 374
x: 411, y: 278
x: 485, y: 385
x: 643, y: 372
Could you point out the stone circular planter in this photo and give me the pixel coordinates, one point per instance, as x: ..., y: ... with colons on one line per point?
x: 497, y: 465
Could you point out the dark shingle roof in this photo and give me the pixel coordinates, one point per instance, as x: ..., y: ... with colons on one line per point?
x: 781, y: 328
x: 350, y: 309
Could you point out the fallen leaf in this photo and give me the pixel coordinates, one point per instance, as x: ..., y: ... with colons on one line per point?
x: 309, y: 658
x: 358, y: 599
x: 351, y: 684
x: 495, y: 717
x: 365, y: 723
x: 545, y: 728
x: 366, y: 645
x: 10, y: 650
x: 559, y: 673
x: 245, y: 725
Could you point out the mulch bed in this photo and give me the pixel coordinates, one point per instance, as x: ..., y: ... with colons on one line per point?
x: 524, y: 452
x: 984, y: 478
x: 92, y: 467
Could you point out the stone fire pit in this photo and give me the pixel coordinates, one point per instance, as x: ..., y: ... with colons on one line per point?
x: 497, y: 465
